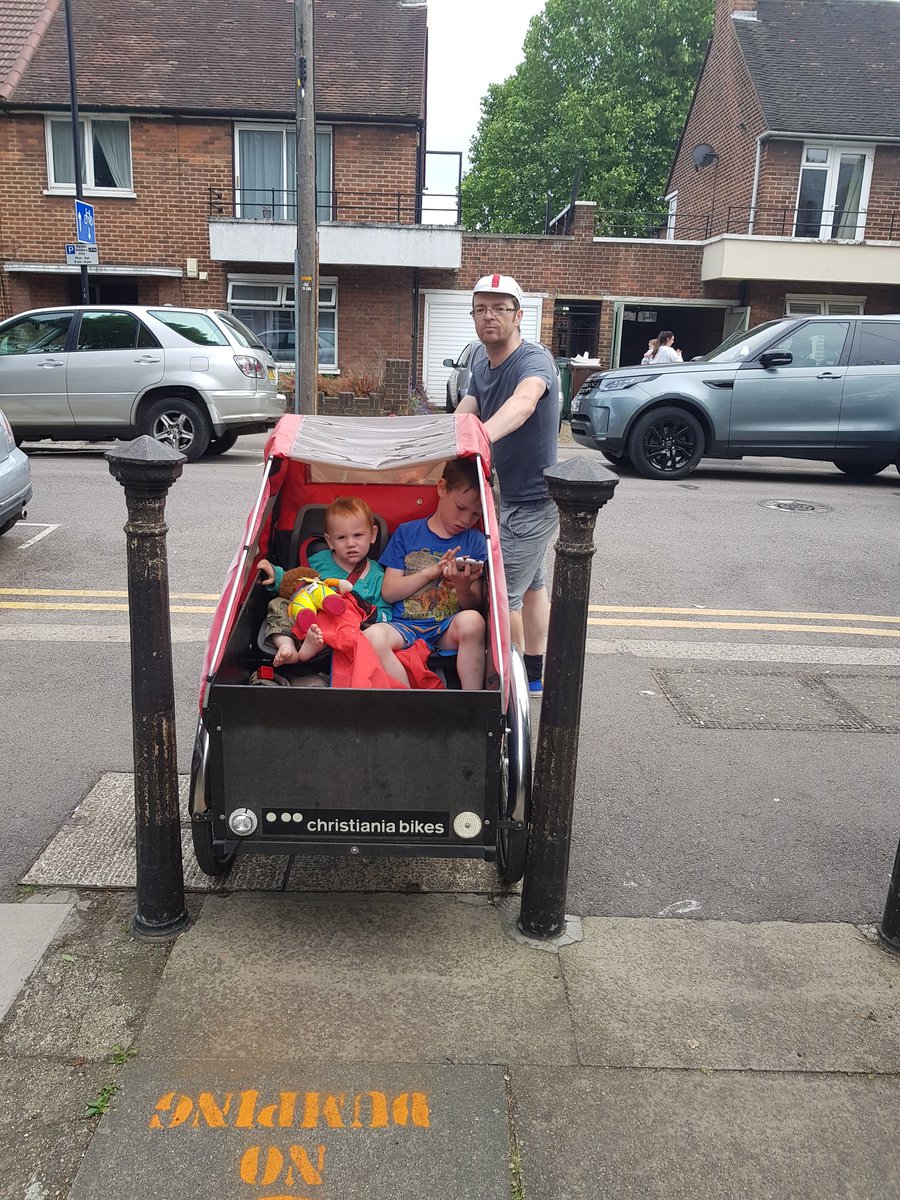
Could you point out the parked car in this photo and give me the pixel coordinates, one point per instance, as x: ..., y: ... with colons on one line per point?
x: 825, y: 388
x: 460, y: 374
x: 193, y: 378
x: 15, y: 478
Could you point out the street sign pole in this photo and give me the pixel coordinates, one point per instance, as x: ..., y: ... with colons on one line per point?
x: 306, y: 263
x: 76, y: 141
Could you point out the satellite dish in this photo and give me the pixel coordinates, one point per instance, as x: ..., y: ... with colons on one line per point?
x: 702, y: 155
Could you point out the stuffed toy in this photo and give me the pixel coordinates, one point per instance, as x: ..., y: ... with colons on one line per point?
x: 308, y: 594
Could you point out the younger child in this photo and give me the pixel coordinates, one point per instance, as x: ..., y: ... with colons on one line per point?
x: 433, y: 584
x: 350, y: 531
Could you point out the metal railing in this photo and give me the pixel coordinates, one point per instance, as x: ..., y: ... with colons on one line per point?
x: 396, y: 208
x: 833, y: 225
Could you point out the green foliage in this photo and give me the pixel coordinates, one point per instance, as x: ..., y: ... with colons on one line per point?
x: 100, y: 1104
x: 603, y: 83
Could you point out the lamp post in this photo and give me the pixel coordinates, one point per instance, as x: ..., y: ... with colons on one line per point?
x: 76, y: 141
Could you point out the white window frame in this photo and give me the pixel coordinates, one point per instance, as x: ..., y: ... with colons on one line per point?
x: 672, y: 201
x: 798, y: 305
x: 287, y: 131
x: 832, y: 169
x: 89, y: 188
x: 284, y: 284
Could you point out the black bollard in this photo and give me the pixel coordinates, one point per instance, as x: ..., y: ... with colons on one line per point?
x: 889, y: 929
x: 147, y: 469
x: 580, y: 488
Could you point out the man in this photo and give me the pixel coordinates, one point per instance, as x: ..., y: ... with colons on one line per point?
x: 514, y: 388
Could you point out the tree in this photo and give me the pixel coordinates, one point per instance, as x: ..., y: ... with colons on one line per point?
x: 604, y: 85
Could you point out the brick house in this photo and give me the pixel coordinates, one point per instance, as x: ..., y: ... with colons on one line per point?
x: 783, y: 196
x: 187, y: 114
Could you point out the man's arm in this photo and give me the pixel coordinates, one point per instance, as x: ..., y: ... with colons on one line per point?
x: 515, y: 411
x: 468, y: 404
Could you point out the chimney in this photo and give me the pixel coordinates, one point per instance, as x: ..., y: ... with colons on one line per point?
x: 726, y: 9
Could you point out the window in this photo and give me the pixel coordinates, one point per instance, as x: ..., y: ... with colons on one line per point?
x: 823, y: 306
x: 672, y: 202
x: 267, y: 307
x: 105, y: 153
x: 877, y: 344
x: 265, y: 184
x: 815, y: 344
x: 36, y: 335
x: 193, y: 327
x: 833, y: 192
x: 112, y: 331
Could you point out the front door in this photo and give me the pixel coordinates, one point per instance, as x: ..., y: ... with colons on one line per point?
x: 797, y: 407
x: 33, y: 371
x: 115, y: 359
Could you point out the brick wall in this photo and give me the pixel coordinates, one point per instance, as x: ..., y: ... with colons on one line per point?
x: 375, y: 173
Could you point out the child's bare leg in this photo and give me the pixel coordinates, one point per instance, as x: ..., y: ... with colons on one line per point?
x: 385, y: 641
x: 466, y: 636
x: 286, y: 650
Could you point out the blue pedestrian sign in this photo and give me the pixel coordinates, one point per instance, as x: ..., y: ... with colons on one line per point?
x: 84, y: 223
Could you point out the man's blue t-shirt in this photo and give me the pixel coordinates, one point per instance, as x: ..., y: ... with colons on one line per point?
x: 521, y: 456
x: 414, y: 546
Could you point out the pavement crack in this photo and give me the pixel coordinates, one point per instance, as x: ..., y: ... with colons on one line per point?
x: 517, y: 1181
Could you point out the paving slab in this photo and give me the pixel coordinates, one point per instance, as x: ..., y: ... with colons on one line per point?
x: 26, y: 930
x: 358, y: 978
x: 719, y: 994
x: 682, y: 1135
x: 310, y: 1131
x: 94, y: 848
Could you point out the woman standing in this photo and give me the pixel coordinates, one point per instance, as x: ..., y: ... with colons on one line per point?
x: 665, y: 351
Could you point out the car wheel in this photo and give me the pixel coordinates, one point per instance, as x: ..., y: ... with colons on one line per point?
x: 5, y: 528
x: 666, y: 443
x: 178, y: 423
x: 449, y: 404
x: 219, y: 445
x: 861, y: 470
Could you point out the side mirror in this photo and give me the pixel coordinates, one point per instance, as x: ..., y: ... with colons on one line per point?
x: 449, y: 362
x: 776, y: 358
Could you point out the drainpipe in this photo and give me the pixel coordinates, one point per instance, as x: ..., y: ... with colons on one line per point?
x: 414, y: 365
x: 759, y: 142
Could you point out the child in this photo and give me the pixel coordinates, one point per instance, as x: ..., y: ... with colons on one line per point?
x: 350, y: 531
x: 433, y: 584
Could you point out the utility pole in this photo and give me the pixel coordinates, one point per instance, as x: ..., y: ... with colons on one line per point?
x: 76, y: 140
x: 306, y: 259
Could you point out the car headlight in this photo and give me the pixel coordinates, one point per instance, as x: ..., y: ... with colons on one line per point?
x: 620, y: 384
x: 575, y: 406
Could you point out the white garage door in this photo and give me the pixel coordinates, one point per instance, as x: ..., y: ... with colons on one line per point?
x: 448, y: 327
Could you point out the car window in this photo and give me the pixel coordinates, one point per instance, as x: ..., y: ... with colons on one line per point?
x: 107, y: 331
x: 877, y: 345
x: 742, y: 345
x: 242, y: 333
x: 815, y: 344
x: 146, y: 339
x: 466, y: 355
x: 193, y: 327
x: 36, y: 335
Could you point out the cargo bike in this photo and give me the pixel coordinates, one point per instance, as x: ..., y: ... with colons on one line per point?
x: 293, y: 770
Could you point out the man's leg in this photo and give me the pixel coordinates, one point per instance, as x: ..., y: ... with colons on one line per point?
x: 525, y: 533
x: 536, y: 620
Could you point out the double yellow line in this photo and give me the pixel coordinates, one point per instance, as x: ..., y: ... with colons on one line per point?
x: 61, y: 599
x: 783, y: 622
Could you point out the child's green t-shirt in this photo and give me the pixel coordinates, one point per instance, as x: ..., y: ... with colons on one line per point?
x: 368, y: 587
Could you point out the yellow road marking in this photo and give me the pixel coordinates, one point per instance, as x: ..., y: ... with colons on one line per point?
x: 99, y: 594
x: 743, y: 612
x: 767, y: 626
x: 59, y: 606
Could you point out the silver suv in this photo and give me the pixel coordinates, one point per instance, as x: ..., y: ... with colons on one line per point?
x: 825, y: 388
x: 194, y: 378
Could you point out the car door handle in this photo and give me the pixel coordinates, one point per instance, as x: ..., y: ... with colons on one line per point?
x: 829, y: 375
x: 52, y: 362
x: 147, y: 358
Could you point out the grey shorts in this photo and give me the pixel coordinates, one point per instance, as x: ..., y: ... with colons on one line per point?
x: 525, y: 533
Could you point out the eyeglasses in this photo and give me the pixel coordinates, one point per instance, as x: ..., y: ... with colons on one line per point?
x: 482, y: 311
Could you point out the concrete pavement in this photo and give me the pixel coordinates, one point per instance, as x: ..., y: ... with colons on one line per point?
x: 334, y: 1046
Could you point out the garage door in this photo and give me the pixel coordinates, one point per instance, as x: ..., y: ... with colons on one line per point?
x: 448, y: 327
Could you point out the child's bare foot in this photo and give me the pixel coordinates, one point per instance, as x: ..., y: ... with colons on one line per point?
x: 286, y: 652
x: 313, y: 644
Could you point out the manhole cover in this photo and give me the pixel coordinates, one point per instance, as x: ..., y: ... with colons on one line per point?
x: 799, y: 506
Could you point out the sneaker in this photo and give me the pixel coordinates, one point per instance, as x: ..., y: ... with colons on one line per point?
x: 536, y: 687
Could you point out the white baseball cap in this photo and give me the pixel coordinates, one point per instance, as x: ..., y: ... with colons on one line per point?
x: 504, y: 285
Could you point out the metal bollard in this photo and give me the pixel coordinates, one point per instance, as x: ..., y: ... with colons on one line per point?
x: 580, y: 488
x: 889, y: 929
x: 147, y: 469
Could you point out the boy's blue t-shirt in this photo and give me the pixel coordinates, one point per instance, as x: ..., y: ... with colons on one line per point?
x: 368, y: 588
x: 414, y: 546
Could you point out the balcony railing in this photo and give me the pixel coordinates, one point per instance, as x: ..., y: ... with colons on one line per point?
x: 396, y: 208
x: 833, y: 225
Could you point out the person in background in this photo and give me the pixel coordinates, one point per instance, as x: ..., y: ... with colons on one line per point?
x: 665, y: 351
x: 652, y: 347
